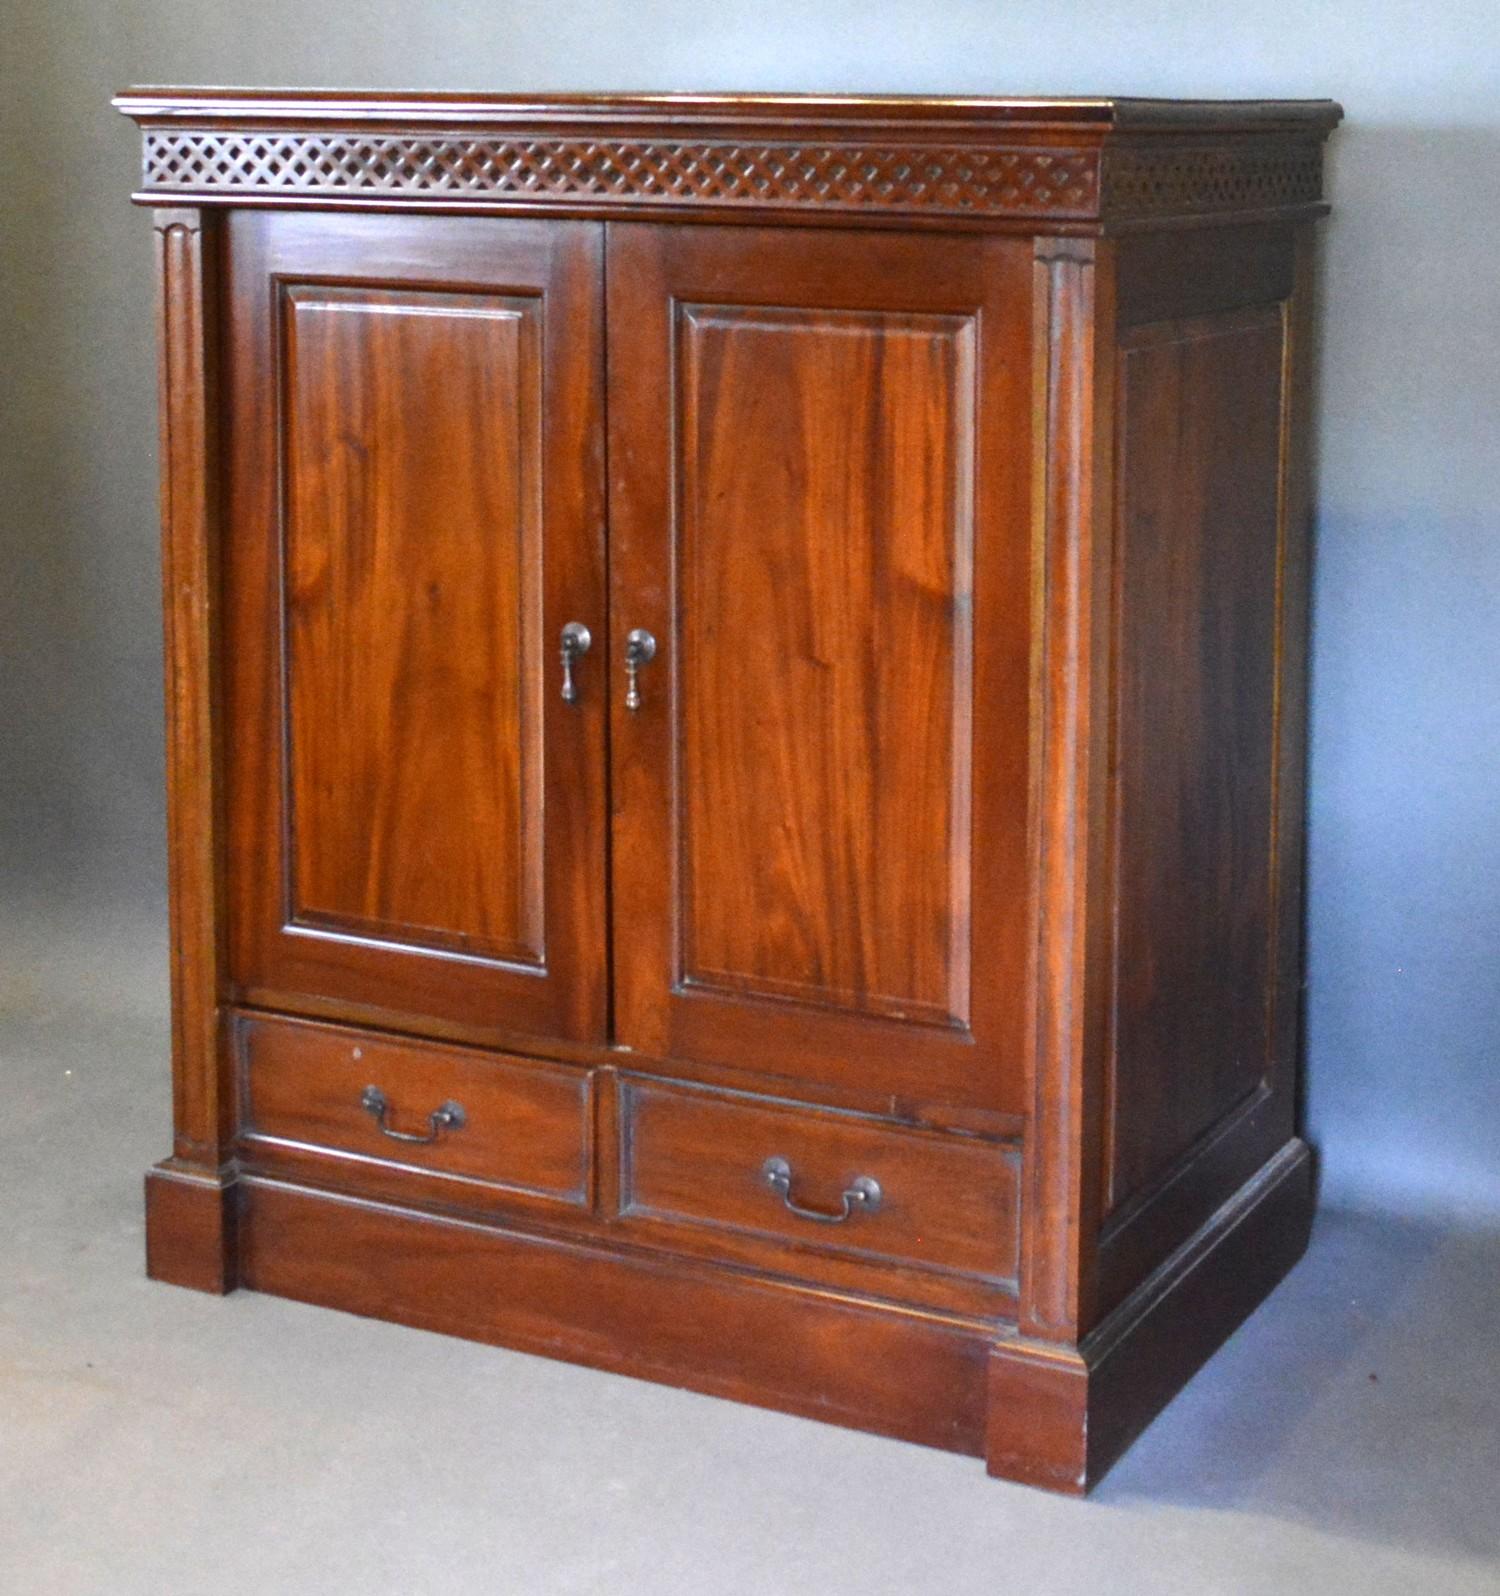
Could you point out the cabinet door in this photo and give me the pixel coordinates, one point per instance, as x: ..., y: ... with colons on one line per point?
x: 819, y: 508
x: 415, y: 511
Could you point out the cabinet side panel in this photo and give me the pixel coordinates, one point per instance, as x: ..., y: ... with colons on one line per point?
x: 1199, y: 443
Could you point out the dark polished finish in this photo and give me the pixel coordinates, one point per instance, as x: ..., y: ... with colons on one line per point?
x: 808, y: 430
x: 729, y: 1332
x: 414, y: 511
x: 736, y: 790
x: 867, y: 158
x: 526, y: 1138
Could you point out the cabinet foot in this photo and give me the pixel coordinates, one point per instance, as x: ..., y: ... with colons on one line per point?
x: 1060, y: 1416
x: 192, y: 1220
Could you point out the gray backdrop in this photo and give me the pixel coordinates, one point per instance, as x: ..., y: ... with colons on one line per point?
x: 1404, y: 976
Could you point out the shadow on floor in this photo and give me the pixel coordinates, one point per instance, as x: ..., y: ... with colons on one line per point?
x: 147, y: 1434
x: 1363, y: 1397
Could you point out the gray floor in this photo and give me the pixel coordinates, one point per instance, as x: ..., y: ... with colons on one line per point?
x: 154, y: 1440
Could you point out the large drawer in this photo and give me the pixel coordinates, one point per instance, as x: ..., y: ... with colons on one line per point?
x: 826, y: 1181
x: 350, y: 1103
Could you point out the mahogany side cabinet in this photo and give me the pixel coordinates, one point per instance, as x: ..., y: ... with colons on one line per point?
x: 735, y: 694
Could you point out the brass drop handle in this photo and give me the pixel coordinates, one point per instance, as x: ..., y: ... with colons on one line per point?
x: 640, y: 649
x: 863, y: 1194
x: 450, y: 1116
x: 577, y: 640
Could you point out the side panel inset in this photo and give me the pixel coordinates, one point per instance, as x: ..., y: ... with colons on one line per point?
x: 1200, y: 450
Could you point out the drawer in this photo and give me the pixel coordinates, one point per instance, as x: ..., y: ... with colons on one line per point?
x: 351, y: 1102
x: 828, y: 1181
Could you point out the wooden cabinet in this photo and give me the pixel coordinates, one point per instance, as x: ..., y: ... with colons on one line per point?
x: 735, y: 681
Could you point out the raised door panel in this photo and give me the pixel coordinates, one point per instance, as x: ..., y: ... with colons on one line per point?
x: 819, y: 511
x: 416, y: 815
x: 823, y: 682
x: 414, y: 722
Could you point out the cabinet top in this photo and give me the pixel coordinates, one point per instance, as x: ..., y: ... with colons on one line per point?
x: 1069, y: 165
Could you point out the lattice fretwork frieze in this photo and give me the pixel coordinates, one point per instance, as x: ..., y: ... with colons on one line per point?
x: 1173, y: 180
x: 1146, y: 180
x: 983, y: 182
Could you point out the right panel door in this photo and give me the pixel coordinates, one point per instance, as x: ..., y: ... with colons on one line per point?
x: 820, y: 458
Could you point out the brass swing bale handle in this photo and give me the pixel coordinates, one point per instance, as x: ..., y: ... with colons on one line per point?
x: 863, y: 1194
x: 450, y: 1116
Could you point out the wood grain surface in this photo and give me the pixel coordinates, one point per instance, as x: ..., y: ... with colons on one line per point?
x: 415, y: 490
x: 825, y: 445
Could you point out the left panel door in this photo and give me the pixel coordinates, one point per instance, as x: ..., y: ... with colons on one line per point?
x: 414, y: 501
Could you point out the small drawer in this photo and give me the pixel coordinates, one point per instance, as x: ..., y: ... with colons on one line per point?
x: 391, y: 1113
x: 831, y: 1181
